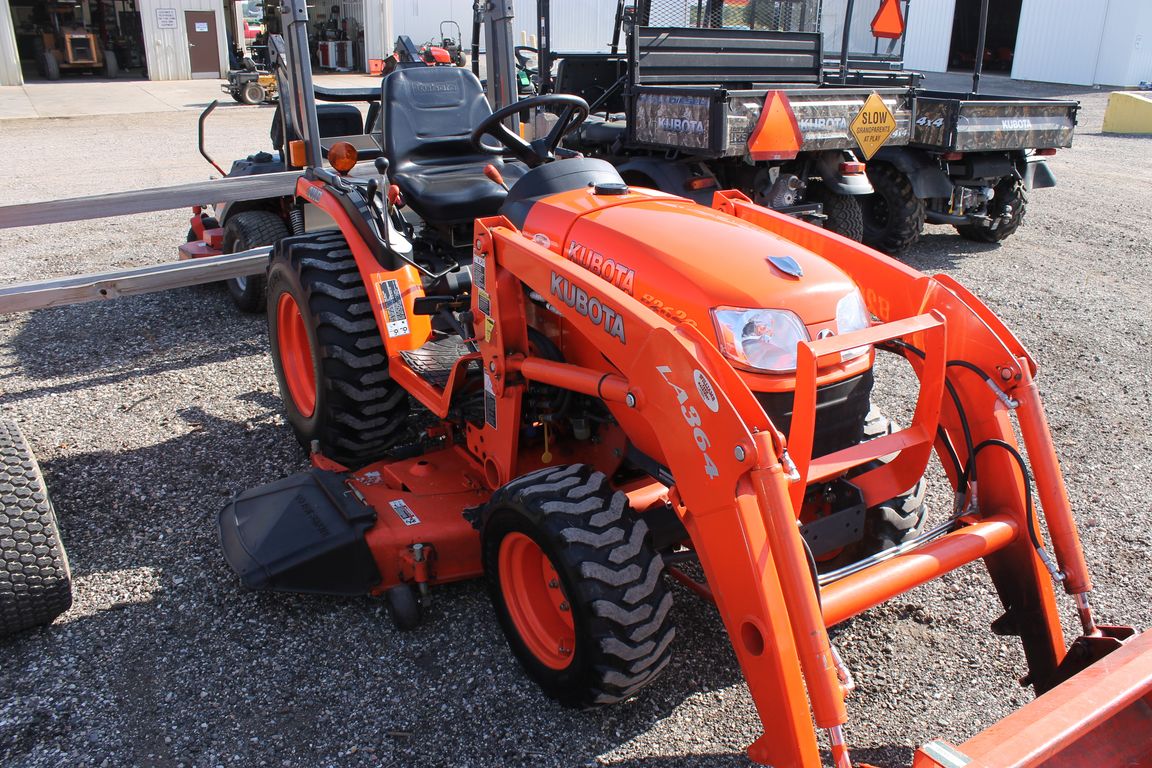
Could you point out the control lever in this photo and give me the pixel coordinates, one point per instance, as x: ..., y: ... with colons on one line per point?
x: 493, y: 174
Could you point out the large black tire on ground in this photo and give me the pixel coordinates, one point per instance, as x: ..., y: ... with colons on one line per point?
x: 111, y: 66
x: 251, y: 229
x: 252, y: 93
x: 893, y: 215
x: 896, y: 520
x: 1008, y: 192
x: 605, y: 571
x: 842, y: 211
x: 49, y: 66
x: 35, y: 583
x: 357, y: 411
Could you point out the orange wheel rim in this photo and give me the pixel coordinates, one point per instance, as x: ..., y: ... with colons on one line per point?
x: 295, y: 355
x: 536, y: 601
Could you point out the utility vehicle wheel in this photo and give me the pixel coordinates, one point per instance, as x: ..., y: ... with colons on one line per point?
x: 251, y: 229
x: 236, y: 97
x: 891, y: 522
x: 329, y: 357
x: 35, y: 583
x: 843, y: 212
x: 252, y: 93
x: 50, y: 66
x: 576, y: 585
x: 404, y: 607
x: 893, y: 215
x: 1008, y: 192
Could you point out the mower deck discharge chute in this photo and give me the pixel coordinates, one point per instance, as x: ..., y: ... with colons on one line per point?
x: 519, y: 368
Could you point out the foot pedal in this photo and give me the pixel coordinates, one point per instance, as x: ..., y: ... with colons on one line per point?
x: 433, y: 362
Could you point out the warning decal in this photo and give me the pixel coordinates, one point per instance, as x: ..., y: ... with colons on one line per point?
x: 872, y: 126
x: 489, y: 401
x: 404, y: 512
x: 394, y: 308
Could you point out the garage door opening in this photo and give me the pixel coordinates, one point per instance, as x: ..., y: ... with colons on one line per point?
x: 1000, y: 38
x: 94, y: 39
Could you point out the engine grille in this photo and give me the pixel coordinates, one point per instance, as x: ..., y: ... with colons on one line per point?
x: 841, y: 409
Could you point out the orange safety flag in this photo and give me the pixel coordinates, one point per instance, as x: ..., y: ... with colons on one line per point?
x: 777, y: 134
x: 888, y: 21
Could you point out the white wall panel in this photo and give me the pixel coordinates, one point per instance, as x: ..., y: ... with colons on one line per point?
x: 1059, y: 40
x: 167, y: 49
x: 1125, y: 44
x: 9, y: 58
x: 929, y: 35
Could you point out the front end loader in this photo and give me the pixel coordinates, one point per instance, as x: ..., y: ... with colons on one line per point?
x: 507, y: 364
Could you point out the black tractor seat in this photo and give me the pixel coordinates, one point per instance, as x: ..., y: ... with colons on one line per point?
x: 428, y: 114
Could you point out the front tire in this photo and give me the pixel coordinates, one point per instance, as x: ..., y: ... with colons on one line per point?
x: 577, y: 586
x: 35, y: 580
x: 251, y: 229
x: 893, y: 215
x: 330, y: 360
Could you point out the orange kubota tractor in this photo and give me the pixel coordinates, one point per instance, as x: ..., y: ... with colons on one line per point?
x: 508, y: 364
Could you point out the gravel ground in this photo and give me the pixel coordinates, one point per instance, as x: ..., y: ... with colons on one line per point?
x: 148, y: 413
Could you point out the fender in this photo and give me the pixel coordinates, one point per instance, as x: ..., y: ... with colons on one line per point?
x: 922, y: 171
x: 1036, y: 173
x: 666, y: 176
x: 827, y: 166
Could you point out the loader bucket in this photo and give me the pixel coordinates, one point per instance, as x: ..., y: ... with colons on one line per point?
x: 1101, y: 717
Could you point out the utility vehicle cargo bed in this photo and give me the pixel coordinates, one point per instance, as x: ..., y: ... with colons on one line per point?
x: 955, y: 123
x: 716, y: 121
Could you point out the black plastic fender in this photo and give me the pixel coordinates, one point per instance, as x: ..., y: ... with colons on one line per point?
x: 1036, y: 173
x: 925, y: 175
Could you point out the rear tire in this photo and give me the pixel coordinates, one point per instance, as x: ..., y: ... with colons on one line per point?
x: 331, y: 364
x: 251, y: 229
x: 1008, y: 192
x: 50, y: 66
x: 252, y: 93
x: 893, y: 215
x: 35, y: 581
x: 577, y: 586
x: 842, y: 211
x: 111, y: 67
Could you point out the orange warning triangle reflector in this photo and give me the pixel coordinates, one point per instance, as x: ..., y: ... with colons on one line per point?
x: 888, y: 21
x: 777, y: 134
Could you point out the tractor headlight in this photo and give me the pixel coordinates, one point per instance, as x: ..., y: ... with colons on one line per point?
x: 852, y: 315
x: 761, y: 339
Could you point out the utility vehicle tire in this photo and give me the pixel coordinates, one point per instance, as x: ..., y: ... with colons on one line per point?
x: 576, y: 585
x: 842, y: 211
x: 236, y: 97
x: 35, y: 583
x: 251, y: 229
x: 111, y: 67
x: 49, y: 66
x: 1008, y: 192
x: 329, y: 357
x: 891, y: 522
x: 252, y: 93
x: 893, y: 215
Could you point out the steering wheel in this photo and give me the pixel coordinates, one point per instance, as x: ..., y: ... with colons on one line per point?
x: 541, y: 150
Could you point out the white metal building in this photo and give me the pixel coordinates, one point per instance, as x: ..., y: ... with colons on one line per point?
x: 1094, y: 42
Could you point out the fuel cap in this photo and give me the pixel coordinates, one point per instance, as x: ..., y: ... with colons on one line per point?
x: 611, y: 188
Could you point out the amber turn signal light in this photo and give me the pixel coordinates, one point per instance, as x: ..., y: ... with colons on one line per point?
x: 342, y: 156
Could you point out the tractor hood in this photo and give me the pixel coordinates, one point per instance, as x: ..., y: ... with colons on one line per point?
x: 684, y: 260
